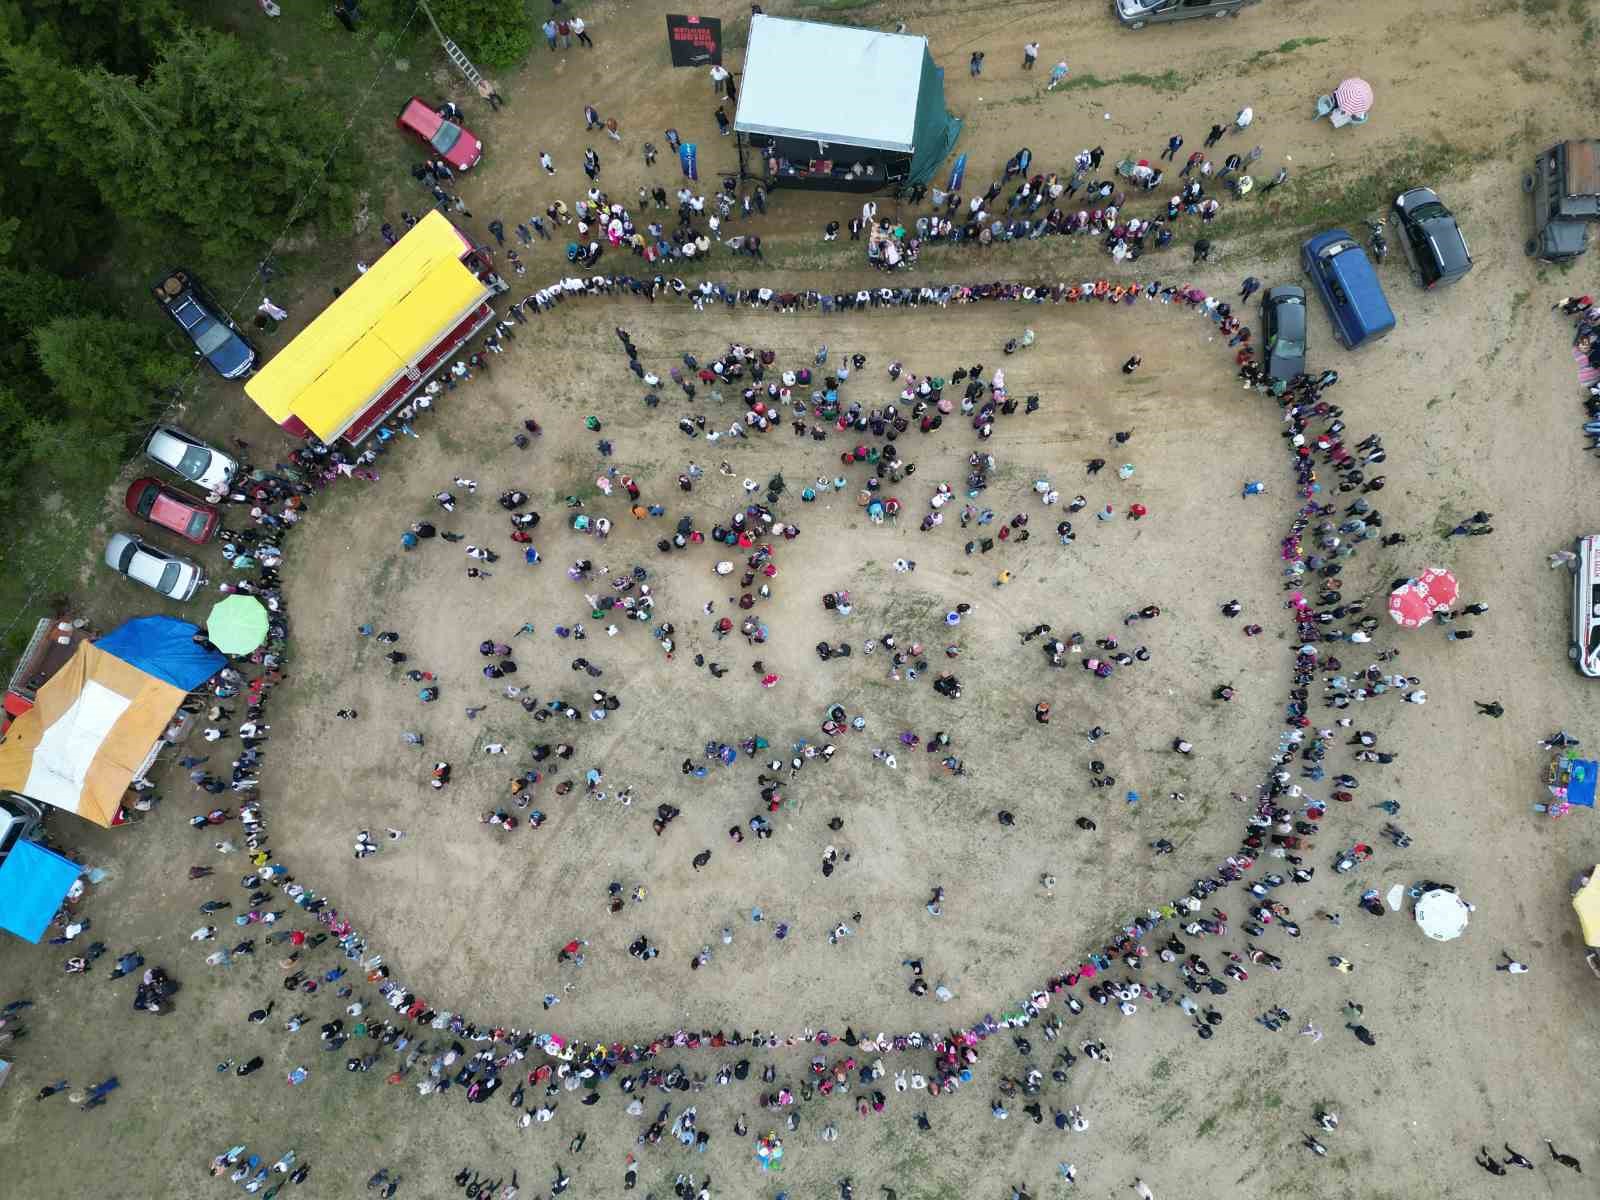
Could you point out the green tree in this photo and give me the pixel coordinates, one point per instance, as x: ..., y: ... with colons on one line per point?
x: 213, y: 142
x: 119, y: 35
x: 107, y: 372
x: 494, y: 33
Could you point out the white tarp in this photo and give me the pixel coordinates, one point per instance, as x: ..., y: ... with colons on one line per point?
x: 67, y: 750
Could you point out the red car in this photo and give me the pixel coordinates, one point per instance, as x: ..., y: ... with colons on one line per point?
x: 457, y: 145
x: 171, y: 509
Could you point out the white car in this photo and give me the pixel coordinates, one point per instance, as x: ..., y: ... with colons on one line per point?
x: 1585, y: 647
x: 194, y: 460
x: 174, y: 577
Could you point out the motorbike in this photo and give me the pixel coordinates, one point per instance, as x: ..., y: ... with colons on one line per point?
x: 1346, y: 859
x: 1380, y: 243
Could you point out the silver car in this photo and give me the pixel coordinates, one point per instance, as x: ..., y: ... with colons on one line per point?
x: 191, y: 458
x: 174, y: 577
x: 1136, y: 14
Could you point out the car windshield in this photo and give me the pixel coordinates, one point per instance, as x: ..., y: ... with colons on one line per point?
x: 1428, y: 211
x: 169, y: 579
x: 194, y: 462
x: 211, y: 337
x: 196, y: 525
x: 445, y: 137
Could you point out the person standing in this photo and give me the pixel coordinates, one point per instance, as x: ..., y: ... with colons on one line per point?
x: 582, y: 32
x: 1174, y: 144
x: 549, y: 31
x: 719, y: 76
x: 975, y: 63
x: 1057, y: 74
x: 1030, y: 55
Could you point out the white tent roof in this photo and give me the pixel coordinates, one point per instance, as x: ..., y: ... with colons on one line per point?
x: 830, y: 83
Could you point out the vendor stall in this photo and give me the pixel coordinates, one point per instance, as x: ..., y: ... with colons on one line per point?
x: 840, y: 109
x: 33, y: 883
x: 1571, y: 781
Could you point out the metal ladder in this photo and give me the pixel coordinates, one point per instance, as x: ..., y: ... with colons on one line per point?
x: 462, y: 62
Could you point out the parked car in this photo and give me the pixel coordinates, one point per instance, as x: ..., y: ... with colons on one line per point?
x: 1432, y: 240
x: 19, y: 818
x: 171, y: 509
x: 1283, y: 332
x: 174, y: 577
x: 216, y: 338
x: 1136, y: 14
x: 194, y: 460
x: 1584, y: 648
x: 455, y: 144
x: 1343, y: 276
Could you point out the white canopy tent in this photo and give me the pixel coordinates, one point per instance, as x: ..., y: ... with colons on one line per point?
x: 830, y: 84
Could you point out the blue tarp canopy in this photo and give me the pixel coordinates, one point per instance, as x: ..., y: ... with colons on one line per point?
x: 33, y: 882
x: 164, y: 647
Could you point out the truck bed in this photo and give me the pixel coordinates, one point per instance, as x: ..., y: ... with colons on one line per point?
x: 1583, y: 167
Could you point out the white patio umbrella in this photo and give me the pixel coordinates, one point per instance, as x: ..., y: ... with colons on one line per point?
x: 1442, y: 915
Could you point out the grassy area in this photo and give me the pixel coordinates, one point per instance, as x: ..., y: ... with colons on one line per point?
x: 1167, y: 81
x: 1323, y: 198
x: 1266, y: 57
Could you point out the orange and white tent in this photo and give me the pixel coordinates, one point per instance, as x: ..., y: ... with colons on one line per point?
x: 93, y: 729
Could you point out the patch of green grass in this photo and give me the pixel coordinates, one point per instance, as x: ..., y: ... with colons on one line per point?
x: 1167, y: 81
x: 1272, y: 1101
x: 1539, y: 8
x: 1161, y: 1068
x: 40, y: 563
x: 1320, y: 198
x: 1288, y: 47
x: 1207, y: 1127
x: 1518, y: 299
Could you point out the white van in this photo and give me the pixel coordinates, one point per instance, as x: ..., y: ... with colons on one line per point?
x: 1585, y: 648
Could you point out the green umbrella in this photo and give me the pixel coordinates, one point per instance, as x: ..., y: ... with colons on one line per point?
x: 237, y: 624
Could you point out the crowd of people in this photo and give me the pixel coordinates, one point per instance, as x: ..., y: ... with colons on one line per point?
x: 322, y: 953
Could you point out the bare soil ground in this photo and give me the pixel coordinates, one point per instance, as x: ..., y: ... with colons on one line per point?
x: 1474, y: 395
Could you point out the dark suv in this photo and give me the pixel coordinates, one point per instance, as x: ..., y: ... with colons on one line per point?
x: 1432, y: 240
x: 216, y: 339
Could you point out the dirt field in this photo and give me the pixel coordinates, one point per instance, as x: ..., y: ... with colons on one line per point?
x: 1475, y: 395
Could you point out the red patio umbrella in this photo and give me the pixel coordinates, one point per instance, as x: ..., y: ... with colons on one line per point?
x: 1408, y: 605
x: 1440, y: 587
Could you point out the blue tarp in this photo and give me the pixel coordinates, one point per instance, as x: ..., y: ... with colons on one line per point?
x: 164, y: 647
x: 33, y: 882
